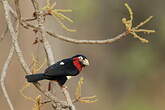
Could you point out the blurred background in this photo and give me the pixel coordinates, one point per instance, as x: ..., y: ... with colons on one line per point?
x: 125, y: 75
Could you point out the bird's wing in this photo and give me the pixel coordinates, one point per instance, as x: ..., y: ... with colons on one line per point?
x: 61, y: 68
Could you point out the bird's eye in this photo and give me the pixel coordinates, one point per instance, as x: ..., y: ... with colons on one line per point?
x: 80, y: 57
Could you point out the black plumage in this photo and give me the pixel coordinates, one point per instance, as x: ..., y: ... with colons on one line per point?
x: 58, y: 71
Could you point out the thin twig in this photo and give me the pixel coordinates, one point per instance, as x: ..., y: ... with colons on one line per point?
x: 14, y: 36
x: 3, y: 76
x: 45, y: 102
x: 17, y: 10
x: 51, y: 96
x: 69, y: 100
x: 76, y: 41
x: 5, y: 68
x: 47, y: 46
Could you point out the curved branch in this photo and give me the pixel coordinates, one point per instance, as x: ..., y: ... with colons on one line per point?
x: 3, y: 76
x: 76, y: 41
x: 14, y: 35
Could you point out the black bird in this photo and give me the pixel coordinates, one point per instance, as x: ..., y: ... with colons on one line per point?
x: 62, y: 70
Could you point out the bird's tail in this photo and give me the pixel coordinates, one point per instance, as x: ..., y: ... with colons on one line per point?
x: 35, y: 77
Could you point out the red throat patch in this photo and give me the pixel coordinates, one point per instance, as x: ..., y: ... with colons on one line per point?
x: 77, y: 64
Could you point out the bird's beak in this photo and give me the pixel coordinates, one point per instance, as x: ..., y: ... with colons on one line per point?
x: 85, y: 62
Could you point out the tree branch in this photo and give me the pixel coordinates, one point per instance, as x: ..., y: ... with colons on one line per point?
x: 14, y: 35
x: 68, y: 98
x: 3, y: 76
x: 17, y: 9
x: 47, y: 47
x: 76, y: 41
x: 41, y: 19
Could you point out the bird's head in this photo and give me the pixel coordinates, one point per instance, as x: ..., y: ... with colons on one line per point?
x: 81, y: 59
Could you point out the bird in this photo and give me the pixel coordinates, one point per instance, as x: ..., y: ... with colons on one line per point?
x: 62, y: 70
